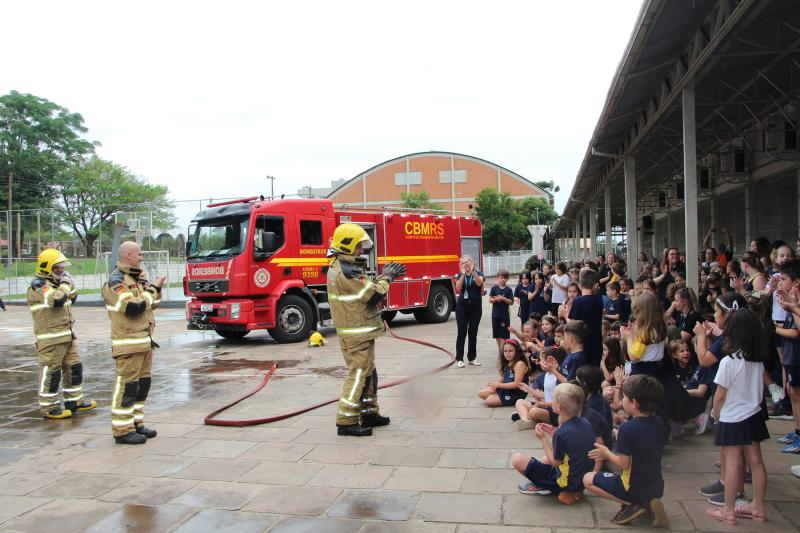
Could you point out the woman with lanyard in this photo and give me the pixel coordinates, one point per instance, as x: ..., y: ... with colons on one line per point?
x: 469, y: 286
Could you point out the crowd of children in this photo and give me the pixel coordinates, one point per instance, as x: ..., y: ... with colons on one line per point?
x: 605, y: 371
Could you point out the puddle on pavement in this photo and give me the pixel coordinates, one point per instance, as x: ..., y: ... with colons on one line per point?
x: 330, y: 371
x: 231, y: 365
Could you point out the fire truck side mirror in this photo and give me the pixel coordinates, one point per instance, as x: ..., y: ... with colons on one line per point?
x: 268, y: 241
x: 188, y: 250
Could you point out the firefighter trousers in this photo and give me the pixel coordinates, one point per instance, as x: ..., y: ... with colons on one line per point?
x: 360, y: 392
x: 131, y: 385
x: 59, y: 364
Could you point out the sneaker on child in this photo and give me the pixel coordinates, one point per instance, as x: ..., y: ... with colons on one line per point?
x: 475, y: 362
x: 530, y: 488
x: 712, y: 490
x: 719, y: 499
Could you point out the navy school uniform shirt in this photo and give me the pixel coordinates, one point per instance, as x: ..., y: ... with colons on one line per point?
x: 538, y: 303
x: 687, y: 322
x: 700, y: 376
x: 716, y: 351
x: 599, y: 404
x: 500, y: 309
x: 589, y: 309
x: 571, y: 365
x: 521, y: 292
x: 620, y: 306
x: 572, y: 442
x: 642, y: 439
x: 791, y: 347
x: 470, y: 290
x: 599, y: 425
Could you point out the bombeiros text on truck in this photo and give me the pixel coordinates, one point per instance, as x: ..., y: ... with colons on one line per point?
x: 261, y: 263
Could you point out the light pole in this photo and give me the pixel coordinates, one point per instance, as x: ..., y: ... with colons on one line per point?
x: 271, y: 186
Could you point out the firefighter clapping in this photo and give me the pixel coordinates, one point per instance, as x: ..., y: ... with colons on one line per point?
x: 354, y: 299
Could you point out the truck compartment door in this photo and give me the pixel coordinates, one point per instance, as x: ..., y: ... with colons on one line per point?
x: 471, y: 246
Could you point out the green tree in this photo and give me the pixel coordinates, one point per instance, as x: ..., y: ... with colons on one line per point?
x: 38, y: 139
x: 537, y: 210
x: 91, y: 191
x: 503, y: 225
x: 549, y: 186
x: 419, y: 200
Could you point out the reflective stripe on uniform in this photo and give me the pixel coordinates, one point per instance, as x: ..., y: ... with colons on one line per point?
x: 355, y: 384
x: 348, y: 402
x: 42, y: 384
x: 351, y: 297
x: 122, y: 297
x: 73, y: 389
x: 147, y: 295
x: 121, y: 423
x: 45, y: 336
x: 122, y: 412
x: 130, y: 342
x: 369, y: 410
x: 342, y: 413
x: 354, y: 331
x: 38, y: 307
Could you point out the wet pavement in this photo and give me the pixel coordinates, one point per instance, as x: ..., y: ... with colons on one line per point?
x: 442, y: 465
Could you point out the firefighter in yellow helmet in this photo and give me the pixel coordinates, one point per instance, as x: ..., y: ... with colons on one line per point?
x: 130, y: 300
x: 50, y: 297
x: 354, y: 299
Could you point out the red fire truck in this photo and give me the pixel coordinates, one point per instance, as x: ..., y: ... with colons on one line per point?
x: 260, y: 263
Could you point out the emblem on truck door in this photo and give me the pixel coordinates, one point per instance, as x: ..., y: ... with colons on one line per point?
x: 261, y: 277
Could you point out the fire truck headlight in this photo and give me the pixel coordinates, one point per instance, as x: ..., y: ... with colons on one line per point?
x: 234, y: 311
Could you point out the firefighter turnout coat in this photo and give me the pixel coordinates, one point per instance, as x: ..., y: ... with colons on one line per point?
x: 130, y: 300
x: 354, y: 299
x: 50, y: 302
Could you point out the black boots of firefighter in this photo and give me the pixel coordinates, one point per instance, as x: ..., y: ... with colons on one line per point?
x: 131, y: 438
x: 375, y: 421
x: 147, y: 432
x: 58, y: 413
x: 80, y: 407
x: 355, y: 430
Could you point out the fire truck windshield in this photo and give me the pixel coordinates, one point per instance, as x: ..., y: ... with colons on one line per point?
x: 218, y: 238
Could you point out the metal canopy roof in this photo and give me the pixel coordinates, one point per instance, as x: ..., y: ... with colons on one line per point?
x: 744, y: 58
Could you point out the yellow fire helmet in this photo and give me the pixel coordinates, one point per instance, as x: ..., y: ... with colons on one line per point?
x: 347, y: 236
x: 48, y: 259
x: 316, y: 340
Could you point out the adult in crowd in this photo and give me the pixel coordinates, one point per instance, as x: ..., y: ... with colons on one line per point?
x: 670, y: 266
x: 558, y: 286
x: 469, y: 286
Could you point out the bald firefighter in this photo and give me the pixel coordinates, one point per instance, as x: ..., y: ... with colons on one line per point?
x: 50, y: 297
x: 130, y: 300
x: 354, y: 300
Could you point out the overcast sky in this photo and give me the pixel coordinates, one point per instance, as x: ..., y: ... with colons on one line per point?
x: 209, y: 98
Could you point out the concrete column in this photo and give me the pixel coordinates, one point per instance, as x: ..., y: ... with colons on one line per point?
x: 577, y: 241
x: 607, y: 215
x: 582, y: 235
x: 631, y: 235
x: 748, y: 214
x: 593, y: 229
x: 690, y: 187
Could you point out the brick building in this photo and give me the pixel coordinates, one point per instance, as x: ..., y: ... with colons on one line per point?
x: 451, y: 180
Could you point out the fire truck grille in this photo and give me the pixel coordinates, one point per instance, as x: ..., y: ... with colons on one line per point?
x: 208, y: 286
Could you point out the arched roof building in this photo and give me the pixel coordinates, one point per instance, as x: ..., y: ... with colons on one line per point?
x: 451, y: 180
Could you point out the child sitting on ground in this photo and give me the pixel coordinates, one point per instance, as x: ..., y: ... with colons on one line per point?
x: 575, y: 335
x: 513, y: 371
x: 640, y: 444
x: 566, y: 450
x: 591, y: 378
x: 539, y: 409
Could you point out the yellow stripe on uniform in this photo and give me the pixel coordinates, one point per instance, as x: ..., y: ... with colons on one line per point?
x: 57, y: 334
x: 355, y: 331
x: 417, y: 258
x: 130, y: 342
x: 122, y: 297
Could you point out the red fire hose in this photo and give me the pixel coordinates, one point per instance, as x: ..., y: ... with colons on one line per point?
x: 210, y: 421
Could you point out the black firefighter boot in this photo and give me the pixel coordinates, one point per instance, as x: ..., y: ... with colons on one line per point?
x: 131, y: 438
x: 375, y: 420
x: 354, y: 430
x: 141, y: 396
x: 370, y: 391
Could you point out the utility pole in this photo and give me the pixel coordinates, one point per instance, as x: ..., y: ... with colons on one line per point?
x: 271, y: 186
x: 10, y: 195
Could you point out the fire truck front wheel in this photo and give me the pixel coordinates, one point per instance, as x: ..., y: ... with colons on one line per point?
x: 293, y: 319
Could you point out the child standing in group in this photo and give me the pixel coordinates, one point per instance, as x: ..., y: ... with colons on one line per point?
x: 742, y: 418
x: 575, y: 335
x: 521, y: 296
x: 558, y: 284
x: 513, y: 371
x: 789, y: 283
x: 640, y: 444
x: 588, y: 308
x: 617, y: 308
x: 538, y: 295
x: 501, y: 297
x: 566, y: 450
x: 647, y: 338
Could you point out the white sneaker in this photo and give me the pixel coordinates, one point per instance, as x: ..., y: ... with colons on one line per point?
x: 475, y: 362
x: 460, y: 364
x: 795, y: 470
x: 777, y: 392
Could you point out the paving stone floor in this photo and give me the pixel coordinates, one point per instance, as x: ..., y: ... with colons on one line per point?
x: 441, y: 466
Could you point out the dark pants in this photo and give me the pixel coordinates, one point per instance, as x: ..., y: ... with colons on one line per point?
x: 468, y: 316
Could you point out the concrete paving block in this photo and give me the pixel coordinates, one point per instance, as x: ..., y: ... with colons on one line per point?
x: 307, y: 501
x: 21, y: 482
x: 341, y: 454
x: 315, y: 525
x: 70, y: 515
x: 776, y: 522
x: 605, y: 510
x: 491, y: 481
x: 270, y: 451
x: 81, y: 485
x: 218, y: 449
x: 397, y: 456
x: 409, y: 526
x: 282, y: 473
x: 351, y: 476
x: 454, y: 507
x: 148, y: 491
x: 544, y: 511
x: 155, y: 465
x: 374, y: 505
x: 12, y: 506
x: 428, y: 425
x: 142, y: 518
x: 214, y: 521
x: 214, y: 469
x: 219, y: 495
x: 426, y: 479
x: 485, y: 458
